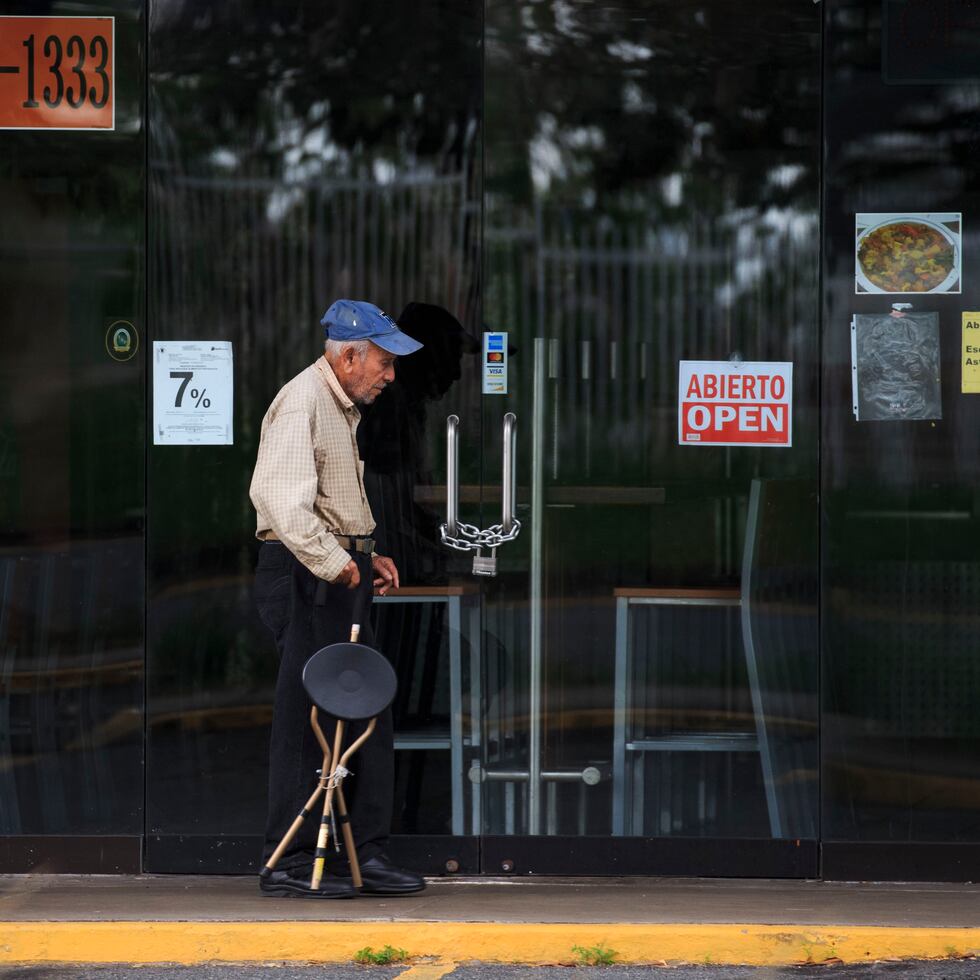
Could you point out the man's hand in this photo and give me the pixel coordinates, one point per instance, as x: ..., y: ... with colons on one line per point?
x: 385, y: 574
x: 349, y: 575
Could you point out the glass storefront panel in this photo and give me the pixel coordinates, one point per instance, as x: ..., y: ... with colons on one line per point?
x: 900, y: 520
x: 652, y: 196
x: 288, y: 169
x: 692, y: 656
x: 71, y: 460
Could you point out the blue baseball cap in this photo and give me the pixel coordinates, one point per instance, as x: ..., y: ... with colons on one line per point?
x: 353, y: 319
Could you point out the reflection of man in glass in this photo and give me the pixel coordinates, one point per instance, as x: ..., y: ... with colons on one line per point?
x: 397, y: 445
x: 394, y: 441
x: 314, y: 579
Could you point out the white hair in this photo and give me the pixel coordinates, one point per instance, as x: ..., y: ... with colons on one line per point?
x: 335, y: 348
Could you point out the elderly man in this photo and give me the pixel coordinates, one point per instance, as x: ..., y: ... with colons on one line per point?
x: 316, y: 570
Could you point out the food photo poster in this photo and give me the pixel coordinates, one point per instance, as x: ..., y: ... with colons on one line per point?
x: 907, y: 253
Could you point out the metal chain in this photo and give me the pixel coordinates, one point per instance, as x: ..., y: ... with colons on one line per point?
x: 471, y: 538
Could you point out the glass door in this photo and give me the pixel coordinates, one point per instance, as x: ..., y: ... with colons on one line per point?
x: 283, y: 176
x: 614, y: 188
x: 649, y: 655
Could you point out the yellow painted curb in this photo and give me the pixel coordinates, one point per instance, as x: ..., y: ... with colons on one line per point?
x: 535, y: 942
x: 427, y: 971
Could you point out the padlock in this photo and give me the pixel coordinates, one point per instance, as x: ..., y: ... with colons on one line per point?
x: 485, y: 565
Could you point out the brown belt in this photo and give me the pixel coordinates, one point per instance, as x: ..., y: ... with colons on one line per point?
x: 347, y: 542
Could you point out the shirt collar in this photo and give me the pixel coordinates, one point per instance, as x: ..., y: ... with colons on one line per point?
x: 330, y: 379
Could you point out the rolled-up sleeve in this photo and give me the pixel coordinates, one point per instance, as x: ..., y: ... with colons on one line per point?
x: 284, y: 491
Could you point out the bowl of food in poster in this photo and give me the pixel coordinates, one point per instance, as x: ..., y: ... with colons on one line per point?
x: 907, y: 254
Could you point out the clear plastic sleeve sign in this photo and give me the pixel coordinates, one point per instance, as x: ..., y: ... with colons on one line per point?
x: 723, y: 403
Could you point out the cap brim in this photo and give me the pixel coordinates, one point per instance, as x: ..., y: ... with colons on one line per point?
x: 397, y: 342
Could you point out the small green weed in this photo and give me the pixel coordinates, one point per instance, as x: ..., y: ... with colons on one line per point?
x: 598, y: 955
x: 382, y: 957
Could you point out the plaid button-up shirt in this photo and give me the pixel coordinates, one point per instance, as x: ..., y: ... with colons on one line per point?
x: 308, y: 482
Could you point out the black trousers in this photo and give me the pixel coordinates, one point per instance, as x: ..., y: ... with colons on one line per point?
x: 304, y: 614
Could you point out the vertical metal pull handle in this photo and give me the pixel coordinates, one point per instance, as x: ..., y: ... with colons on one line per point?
x: 509, y: 489
x: 452, y: 474
x: 458, y: 534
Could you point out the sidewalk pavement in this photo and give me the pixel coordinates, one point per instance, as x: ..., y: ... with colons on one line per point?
x: 207, y: 919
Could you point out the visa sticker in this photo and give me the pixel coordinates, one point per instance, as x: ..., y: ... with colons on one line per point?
x: 494, y: 363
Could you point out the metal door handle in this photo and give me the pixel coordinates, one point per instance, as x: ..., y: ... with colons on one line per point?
x: 452, y: 474
x: 509, y: 488
x: 466, y: 537
x: 590, y: 775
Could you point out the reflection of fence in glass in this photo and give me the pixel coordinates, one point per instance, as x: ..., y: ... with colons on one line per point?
x: 623, y: 301
x: 256, y: 261
x: 262, y: 258
x: 71, y: 676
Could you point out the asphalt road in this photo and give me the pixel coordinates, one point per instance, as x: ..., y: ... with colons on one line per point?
x: 910, y: 970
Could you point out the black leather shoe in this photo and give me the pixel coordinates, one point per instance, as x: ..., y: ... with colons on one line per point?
x: 381, y: 877
x: 282, y: 885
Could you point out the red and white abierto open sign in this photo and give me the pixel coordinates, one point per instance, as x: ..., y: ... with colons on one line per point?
x: 721, y: 403
x: 57, y: 72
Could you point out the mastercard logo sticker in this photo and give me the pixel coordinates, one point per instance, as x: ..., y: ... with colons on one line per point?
x: 495, y: 357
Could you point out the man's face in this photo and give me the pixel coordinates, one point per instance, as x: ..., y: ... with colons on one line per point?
x: 363, y: 380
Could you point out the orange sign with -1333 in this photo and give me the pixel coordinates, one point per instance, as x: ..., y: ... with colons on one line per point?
x: 57, y: 73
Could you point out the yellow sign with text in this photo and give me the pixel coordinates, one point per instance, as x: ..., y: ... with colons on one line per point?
x: 971, y: 353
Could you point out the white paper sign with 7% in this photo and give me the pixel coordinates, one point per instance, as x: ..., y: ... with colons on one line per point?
x: 193, y: 393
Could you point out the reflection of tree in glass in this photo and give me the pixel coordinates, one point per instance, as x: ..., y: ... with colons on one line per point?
x: 652, y: 188
x: 297, y: 153
x: 306, y: 90
x: 589, y: 102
